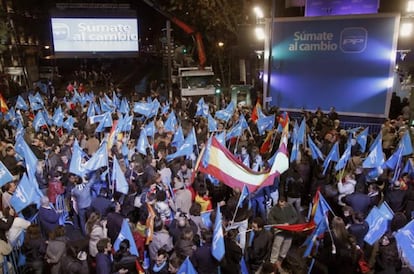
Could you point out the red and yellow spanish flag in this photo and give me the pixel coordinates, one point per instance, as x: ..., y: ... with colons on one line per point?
x: 255, y: 115
x: 267, y: 143
x: 3, y: 105
x: 219, y: 162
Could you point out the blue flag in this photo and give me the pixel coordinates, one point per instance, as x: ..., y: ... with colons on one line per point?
x: 76, y: 165
x: 235, y: 131
x: 243, y: 122
x: 333, y: 155
x: 225, y: 114
x: 127, y: 124
x: 344, y: 159
x: 30, y: 159
x: 186, y: 267
x: 218, y: 248
x: 143, y: 108
x: 377, y: 140
x: 39, y: 121
x: 405, y: 143
x: 294, y: 153
x: 21, y: 103
x: 405, y: 243
x: 408, y: 168
x: 375, y: 157
x: 205, y: 217
x: 244, y: 269
x: 91, y: 110
x: 394, y: 160
x: 178, y: 138
x: 5, y: 175
x: 119, y: 178
x: 36, y: 102
x: 316, y: 152
x: 105, y: 122
x: 155, y: 106
x: 126, y: 233
x: 243, y: 195
x: 124, y: 107
x: 68, y: 123
x: 265, y: 123
x: 221, y: 138
x: 150, y: 129
x: 99, y: 159
x: 322, y: 208
x: 187, y: 147
x: 202, y: 108
x: 302, y: 132
x: 58, y: 117
x: 142, y: 143
x: 212, y: 124
x: 105, y: 106
x: 378, y: 225
x: 362, y: 138
x: 385, y: 210
x: 165, y: 108
x: 27, y: 193
x: 115, y: 100
x: 310, y: 241
x: 171, y: 123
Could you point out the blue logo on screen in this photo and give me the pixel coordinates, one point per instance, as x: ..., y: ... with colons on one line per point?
x: 60, y: 31
x: 354, y: 39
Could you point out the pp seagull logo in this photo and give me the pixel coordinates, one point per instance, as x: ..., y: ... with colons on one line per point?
x: 354, y: 40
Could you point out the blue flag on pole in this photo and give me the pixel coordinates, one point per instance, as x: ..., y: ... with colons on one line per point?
x: 202, y: 108
x: 333, y: 155
x: 124, y: 107
x: 119, y: 178
x: 105, y: 122
x: 186, y: 148
x: 127, y: 125
x: 378, y: 225
x: 405, y: 244
x: 171, y: 123
x: 105, y: 106
x: 186, y: 267
x: 316, y: 152
x: 30, y: 159
x: 265, y: 123
x: 155, y: 106
x: 143, y: 108
x: 150, y: 129
x: 221, y: 138
x: 362, y: 138
x: 58, y: 117
x: 178, y: 138
x: 99, y: 159
x: 91, y: 110
x: 322, y: 208
x: 21, y: 103
x: 344, y: 159
x: 244, y: 269
x: 225, y: 114
x: 408, y: 168
x: 142, y: 143
x: 76, y: 165
x: 165, y: 108
x: 27, y: 193
x: 375, y: 157
x: 235, y: 131
x: 205, y: 217
x: 5, y: 175
x: 310, y: 241
x: 126, y: 233
x: 218, y: 248
x: 406, y: 145
x: 212, y: 124
x: 302, y: 132
x: 244, y: 193
x: 394, y: 160
x: 39, y: 120
x: 68, y: 123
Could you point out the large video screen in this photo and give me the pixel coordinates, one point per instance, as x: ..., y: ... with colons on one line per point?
x: 90, y: 35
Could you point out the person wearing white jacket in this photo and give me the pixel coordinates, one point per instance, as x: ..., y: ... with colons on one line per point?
x: 346, y: 187
x: 96, y: 230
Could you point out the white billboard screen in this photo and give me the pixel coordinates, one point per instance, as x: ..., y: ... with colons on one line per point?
x: 95, y: 34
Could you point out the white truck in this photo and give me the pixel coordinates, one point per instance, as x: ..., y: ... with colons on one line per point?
x: 197, y: 82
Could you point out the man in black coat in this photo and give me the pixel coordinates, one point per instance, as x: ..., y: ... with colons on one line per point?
x: 261, y: 245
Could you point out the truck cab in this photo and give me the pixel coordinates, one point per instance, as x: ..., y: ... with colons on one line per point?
x: 197, y: 82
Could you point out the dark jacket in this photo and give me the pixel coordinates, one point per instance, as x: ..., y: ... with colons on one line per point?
x: 359, y: 202
x: 114, y: 225
x: 70, y: 265
x: 103, y: 263
x: 396, y: 199
x: 34, y: 250
x: 125, y: 260
x: 359, y: 231
x: 203, y: 261
x: 230, y: 264
x: 282, y: 215
x: 5, y: 224
x: 48, y: 219
x: 101, y: 205
x: 259, y: 252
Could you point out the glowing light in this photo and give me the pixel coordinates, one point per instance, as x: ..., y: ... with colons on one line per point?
x: 406, y: 29
x: 260, y: 34
x: 410, y: 6
x: 258, y: 11
x: 390, y: 82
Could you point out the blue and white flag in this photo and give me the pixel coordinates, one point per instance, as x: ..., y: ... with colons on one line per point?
x: 302, y: 132
x: 378, y: 225
x: 212, y: 124
x: 124, y: 107
x: 27, y: 193
x: 105, y: 122
x: 36, y: 102
x: 405, y: 144
x: 150, y: 129
x: 165, y: 108
x: 235, y: 131
x: 187, y: 147
x: 375, y: 157
x: 5, y: 175
x: 30, y: 159
x: 244, y: 193
x: 77, y: 162
x: 265, y: 123
x: 91, y: 110
x: 333, y: 155
x: 225, y: 114
x: 217, y: 248
x: 155, y: 106
x: 178, y: 138
x: 408, y: 168
x: 58, y: 117
x: 39, y: 121
x: 405, y: 244
x: 105, y: 106
x: 186, y: 267
x: 126, y: 233
x: 205, y: 218
x: 395, y: 159
x: 221, y: 138
x: 202, y: 108
x: 315, y: 151
x: 142, y: 142
x: 143, y: 108
x: 121, y: 185
x: 68, y: 123
x: 344, y: 159
x: 99, y: 159
x: 21, y: 103
x: 362, y: 138
x: 171, y: 123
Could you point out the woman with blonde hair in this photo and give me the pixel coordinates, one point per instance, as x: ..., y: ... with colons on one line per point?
x: 96, y: 230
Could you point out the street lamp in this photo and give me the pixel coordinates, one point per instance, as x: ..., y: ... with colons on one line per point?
x: 260, y: 33
x: 406, y: 29
x: 220, y: 44
x: 259, y: 13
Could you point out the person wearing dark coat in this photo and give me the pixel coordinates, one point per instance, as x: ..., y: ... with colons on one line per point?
x: 103, y: 258
x: 114, y: 223
x: 202, y: 259
x: 359, y: 229
x: 359, y: 201
x: 75, y: 261
x: 123, y: 259
x: 387, y: 260
x: 6, y: 221
x: 160, y: 265
x: 230, y: 264
x: 396, y: 197
x: 261, y: 244
x: 34, y: 249
x: 102, y: 204
x: 48, y: 217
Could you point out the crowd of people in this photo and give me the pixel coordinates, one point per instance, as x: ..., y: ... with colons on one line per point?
x: 166, y: 200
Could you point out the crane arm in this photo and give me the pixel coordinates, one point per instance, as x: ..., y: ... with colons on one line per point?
x: 197, y: 37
